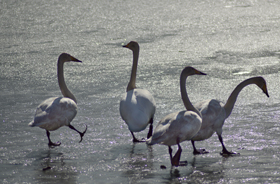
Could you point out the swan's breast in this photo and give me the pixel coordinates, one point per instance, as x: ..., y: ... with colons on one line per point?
x: 137, y: 107
x: 145, y: 100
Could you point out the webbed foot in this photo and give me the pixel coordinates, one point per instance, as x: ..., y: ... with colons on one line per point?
x: 226, y: 153
x: 200, y: 152
x: 52, y: 145
x: 82, y: 134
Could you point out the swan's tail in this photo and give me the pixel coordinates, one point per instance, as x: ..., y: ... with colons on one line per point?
x: 149, y: 141
x: 31, y: 124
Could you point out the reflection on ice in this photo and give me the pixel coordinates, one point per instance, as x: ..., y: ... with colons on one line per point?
x: 52, y: 166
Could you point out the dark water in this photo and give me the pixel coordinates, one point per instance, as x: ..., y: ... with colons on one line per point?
x: 229, y: 40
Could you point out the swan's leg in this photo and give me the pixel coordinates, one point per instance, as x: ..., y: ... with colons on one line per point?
x: 170, y: 153
x: 134, y: 138
x: 81, y: 133
x: 225, y: 151
x: 51, y: 144
x: 176, y: 159
x: 197, y: 152
x: 150, y: 129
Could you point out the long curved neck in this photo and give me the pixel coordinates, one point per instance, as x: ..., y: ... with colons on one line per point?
x: 132, y: 83
x: 185, y: 97
x: 63, y: 88
x: 233, y: 96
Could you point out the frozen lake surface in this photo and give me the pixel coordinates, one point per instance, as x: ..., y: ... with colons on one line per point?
x: 230, y: 40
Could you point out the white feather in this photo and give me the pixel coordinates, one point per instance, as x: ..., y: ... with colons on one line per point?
x: 54, y: 113
x: 137, y: 107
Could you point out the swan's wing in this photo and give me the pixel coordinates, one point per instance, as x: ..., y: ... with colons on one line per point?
x: 160, y: 134
x: 179, y: 125
x: 187, y: 124
x: 54, y: 113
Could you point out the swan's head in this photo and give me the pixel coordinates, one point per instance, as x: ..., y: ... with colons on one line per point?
x: 134, y: 46
x: 64, y: 57
x: 260, y: 82
x: 187, y: 71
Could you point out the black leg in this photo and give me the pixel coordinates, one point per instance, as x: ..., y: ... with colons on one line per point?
x: 150, y: 129
x: 136, y: 140
x: 197, y: 152
x: 177, y: 156
x: 51, y: 144
x: 81, y: 133
x: 225, y: 151
x: 175, y: 161
x: 170, y: 153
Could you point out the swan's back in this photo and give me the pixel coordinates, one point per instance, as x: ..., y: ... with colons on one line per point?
x: 54, y: 113
x: 178, y: 125
x: 137, y: 107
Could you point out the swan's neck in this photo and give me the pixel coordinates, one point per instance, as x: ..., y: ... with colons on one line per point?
x: 233, y: 96
x: 185, y: 97
x: 132, y: 83
x: 63, y: 88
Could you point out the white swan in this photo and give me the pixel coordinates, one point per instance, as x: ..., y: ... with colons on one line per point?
x: 56, y: 112
x: 178, y: 126
x: 137, y: 106
x: 215, y: 112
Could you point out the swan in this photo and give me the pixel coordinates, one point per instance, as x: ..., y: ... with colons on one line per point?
x: 137, y: 106
x: 178, y: 126
x: 56, y: 112
x: 215, y: 112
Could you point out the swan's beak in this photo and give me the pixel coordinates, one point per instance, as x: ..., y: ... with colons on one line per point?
x: 265, y: 90
x: 74, y: 59
x: 126, y: 46
x: 266, y: 94
x: 199, y: 73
